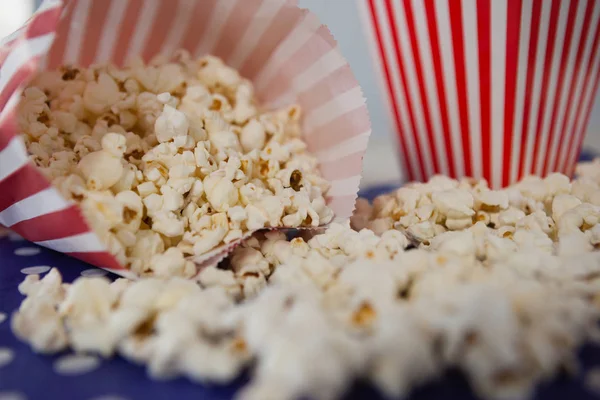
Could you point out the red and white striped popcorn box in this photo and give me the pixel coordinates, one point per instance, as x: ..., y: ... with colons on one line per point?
x: 286, y: 52
x: 494, y: 89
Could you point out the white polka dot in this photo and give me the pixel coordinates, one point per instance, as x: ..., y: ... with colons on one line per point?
x: 38, y: 269
x: 2, y: 317
x: 12, y: 396
x: 15, y: 237
x: 6, y: 356
x: 94, y: 272
x: 27, y: 251
x: 76, y: 364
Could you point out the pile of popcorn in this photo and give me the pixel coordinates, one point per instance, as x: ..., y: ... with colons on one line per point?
x: 501, y: 285
x: 172, y: 159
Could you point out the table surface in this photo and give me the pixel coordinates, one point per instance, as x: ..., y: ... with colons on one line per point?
x: 26, y: 375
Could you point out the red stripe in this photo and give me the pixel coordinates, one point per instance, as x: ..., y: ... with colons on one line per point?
x: 132, y: 15
x: 197, y: 25
x: 321, y: 93
x: 484, y: 14
x: 342, y: 168
x: 56, y: 225
x: 344, y: 205
x: 234, y: 29
x: 99, y: 259
x: 411, y: 115
x: 408, y: 167
x: 94, y: 25
x: 344, y: 127
x: 456, y: 25
x: 57, y: 51
x: 513, y: 31
x: 20, y: 77
x: 284, y: 22
x: 21, y: 184
x: 533, y: 43
x: 412, y: 32
x: 561, y: 80
x: 570, y: 154
x: 280, y: 83
x: 162, y: 24
x: 554, y: 12
x: 557, y: 165
x: 43, y: 23
x: 588, y: 113
x: 439, y: 80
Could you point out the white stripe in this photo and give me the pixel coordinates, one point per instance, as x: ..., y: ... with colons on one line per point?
x: 82, y: 243
x: 304, y: 81
x: 569, y: 81
x: 585, y: 59
x: 449, y: 79
x: 214, y: 32
x: 21, y: 55
x: 348, y: 147
x: 378, y: 67
x: 471, y: 39
x: 183, y: 18
x: 390, y: 54
x: 9, y: 110
x: 320, y: 69
x: 537, y: 84
x: 498, y: 80
x: 77, y: 27
x: 552, y: 85
x: 44, y: 202
x: 344, y: 187
x: 143, y: 29
x: 301, y: 33
x: 413, y: 89
x: 338, y: 106
x: 12, y: 158
x: 520, y: 89
x: 111, y: 30
x: 423, y: 37
x: 261, y: 21
x: 589, y: 96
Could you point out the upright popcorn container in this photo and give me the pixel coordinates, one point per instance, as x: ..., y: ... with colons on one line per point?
x: 285, y: 51
x: 491, y: 89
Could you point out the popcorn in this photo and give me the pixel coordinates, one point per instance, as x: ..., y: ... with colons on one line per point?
x: 170, y: 135
x: 100, y: 169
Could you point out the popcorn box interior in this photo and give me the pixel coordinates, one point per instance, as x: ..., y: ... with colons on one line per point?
x: 287, y: 55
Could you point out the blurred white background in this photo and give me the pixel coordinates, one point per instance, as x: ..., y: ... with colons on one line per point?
x: 343, y: 19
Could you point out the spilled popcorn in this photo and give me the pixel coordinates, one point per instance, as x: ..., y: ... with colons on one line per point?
x: 502, y: 285
x: 170, y: 160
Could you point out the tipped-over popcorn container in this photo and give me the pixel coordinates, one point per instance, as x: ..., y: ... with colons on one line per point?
x: 494, y: 89
x: 284, y: 50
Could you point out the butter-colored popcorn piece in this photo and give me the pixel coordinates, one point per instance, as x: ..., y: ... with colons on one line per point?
x: 454, y: 203
x: 170, y: 124
x: 101, y: 169
x: 100, y: 95
x: 38, y: 322
x: 171, y: 263
x: 114, y: 143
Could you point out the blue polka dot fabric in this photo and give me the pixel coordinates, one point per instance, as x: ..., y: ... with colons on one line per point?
x: 27, y: 375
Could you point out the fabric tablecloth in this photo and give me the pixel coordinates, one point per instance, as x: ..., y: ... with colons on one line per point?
x: 26, y: 375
